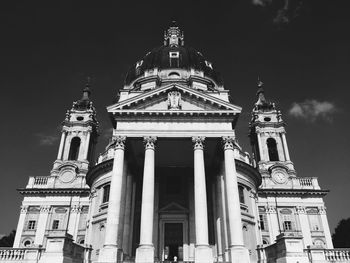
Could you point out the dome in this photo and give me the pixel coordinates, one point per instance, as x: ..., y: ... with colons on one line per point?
x: 173, y: 55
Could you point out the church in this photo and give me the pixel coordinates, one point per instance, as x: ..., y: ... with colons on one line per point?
x: 173, y: 184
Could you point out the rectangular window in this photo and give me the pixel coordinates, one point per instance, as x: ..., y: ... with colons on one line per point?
x: 263, y: 222
x: 287, y: 225
x: 55, y: 224
x: 31, y: 224
x: 241, y: 194
x: 106, y: 190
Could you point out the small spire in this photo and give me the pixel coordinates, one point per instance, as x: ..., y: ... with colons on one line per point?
x: 173, y: 36
x: 86, y: 90
x: 260, y: 93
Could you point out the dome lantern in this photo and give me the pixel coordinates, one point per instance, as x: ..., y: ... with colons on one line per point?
x: 173, y: 36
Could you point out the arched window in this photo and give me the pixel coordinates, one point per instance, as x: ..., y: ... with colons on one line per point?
x: 74, y: 149
x: 272, y: 147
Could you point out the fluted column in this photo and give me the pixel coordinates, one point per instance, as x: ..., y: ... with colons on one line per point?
x: 203, y: 252
x: 110, y: 252
x: 145, y: 251
x: 285, y: 147
x: 238, y: 253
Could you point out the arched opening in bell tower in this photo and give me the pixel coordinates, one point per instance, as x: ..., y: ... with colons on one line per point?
x: 272, y: 148
x: 74, y: 149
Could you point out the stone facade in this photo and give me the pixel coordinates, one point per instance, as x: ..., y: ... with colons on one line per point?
x: 173, y: 184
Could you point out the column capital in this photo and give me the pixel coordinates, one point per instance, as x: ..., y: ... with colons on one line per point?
x: 300, y: 209
x: 150, y: 142
x: 322, y: 210
x: 24, y: 209
x: 76, y: 208
x: 119, y: 142
x: 228, y: 143
x: 45, y: 209
x: 198, y: 142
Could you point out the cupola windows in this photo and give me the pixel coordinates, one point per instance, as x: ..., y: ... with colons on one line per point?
x: 174, y: 59
x: 74, y: 149
x: 272, y: 149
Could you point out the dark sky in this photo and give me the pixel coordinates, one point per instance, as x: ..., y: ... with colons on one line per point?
x: 300, y: 49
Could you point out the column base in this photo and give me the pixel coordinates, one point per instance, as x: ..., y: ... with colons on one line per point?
x: 203, y: 254
x: 110, y: 254
x: 144, y: 254
x: 239, y: 254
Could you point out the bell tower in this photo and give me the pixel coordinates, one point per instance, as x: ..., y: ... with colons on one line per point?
x: 79, y: 135
x: 268, y: 136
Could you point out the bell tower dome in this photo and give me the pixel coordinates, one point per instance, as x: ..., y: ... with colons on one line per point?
x: 268, y: 136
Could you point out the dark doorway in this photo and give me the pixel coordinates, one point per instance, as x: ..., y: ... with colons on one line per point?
x: 173, y: 241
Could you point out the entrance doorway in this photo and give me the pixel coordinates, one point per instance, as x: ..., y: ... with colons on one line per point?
x: 173, y: 241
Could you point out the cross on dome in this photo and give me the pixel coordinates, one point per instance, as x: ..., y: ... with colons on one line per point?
x: 173, y: 36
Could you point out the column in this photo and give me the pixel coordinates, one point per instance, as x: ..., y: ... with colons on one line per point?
x: 274, y: 224
x: 20, y: 226
x: 60, y: 150
x: 87, y: 145
x: 304, y: 226
x: 203, y: 252
x: 261, y: 151
x: 285, y: 146
x: 238, y: 252
x: 219, y: 218
x: 224, y: 216
x: 325, y: 226
x: 42, y: 223
x: 127, y: 214
x: 110, y: 251
x: 145, y: 251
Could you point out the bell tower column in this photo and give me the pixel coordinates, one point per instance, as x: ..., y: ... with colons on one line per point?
x: 238, y: 253
x: 145, y: 251
x: 203, y: 253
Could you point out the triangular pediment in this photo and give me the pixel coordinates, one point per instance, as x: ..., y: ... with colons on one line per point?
x: 174, y: 97
x: 173, y: 207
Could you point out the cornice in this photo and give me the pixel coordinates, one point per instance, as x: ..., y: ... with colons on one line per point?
x: 292, y: 192
x: 54, y: 191
x: 97, y: 170
x: 249, y: 171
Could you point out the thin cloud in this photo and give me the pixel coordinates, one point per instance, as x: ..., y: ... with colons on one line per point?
x: 107, y: 133
x: 47, y: 139
x: 261, y: 2
x: 283, y: 11
x: 312, y: 110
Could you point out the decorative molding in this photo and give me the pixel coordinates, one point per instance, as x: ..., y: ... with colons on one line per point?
x: 119, y: 142
x: 198, y: 142
x: 174, y: 100
x: 300, y: 210
x: 322, y: 210
x: 270, y: 209
x: 24, y: 209
x: 76, y: 209
x: 45, y: 209
x: 150, y: 142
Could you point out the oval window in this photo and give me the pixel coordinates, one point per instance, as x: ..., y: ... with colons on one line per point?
x: 267, y: 119
x: 80, y: 118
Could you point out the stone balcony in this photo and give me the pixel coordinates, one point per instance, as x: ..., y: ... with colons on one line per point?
x: 14, y: 255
